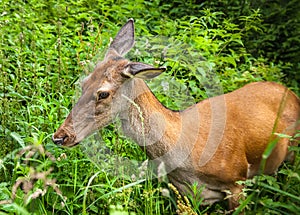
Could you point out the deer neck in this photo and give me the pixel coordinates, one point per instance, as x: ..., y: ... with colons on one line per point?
x: 145, y: 120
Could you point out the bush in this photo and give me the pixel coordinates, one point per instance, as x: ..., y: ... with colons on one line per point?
x: 46, y: 46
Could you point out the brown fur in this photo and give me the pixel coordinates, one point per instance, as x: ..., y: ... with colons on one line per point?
x: 215, y: 143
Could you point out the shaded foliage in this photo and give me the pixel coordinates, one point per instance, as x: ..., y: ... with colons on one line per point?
x: 276, y: 36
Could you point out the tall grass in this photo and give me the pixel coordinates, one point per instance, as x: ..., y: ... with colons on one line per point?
x: 45, y: 49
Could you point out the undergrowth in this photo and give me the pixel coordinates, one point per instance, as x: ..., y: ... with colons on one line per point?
x: 46, y: 47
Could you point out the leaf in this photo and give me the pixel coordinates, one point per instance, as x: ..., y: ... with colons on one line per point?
x: 297, y: 198
x: 283, y: 135
x: 18, y: 138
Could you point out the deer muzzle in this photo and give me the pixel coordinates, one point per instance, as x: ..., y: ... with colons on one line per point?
x: 64, y: 137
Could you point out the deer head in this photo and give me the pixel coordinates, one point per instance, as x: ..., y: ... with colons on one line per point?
x: 102, y: 90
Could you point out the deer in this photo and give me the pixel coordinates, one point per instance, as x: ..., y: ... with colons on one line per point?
x: 215, y: 142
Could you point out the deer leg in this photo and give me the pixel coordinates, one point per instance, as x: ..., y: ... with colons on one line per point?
x: 234, y: 196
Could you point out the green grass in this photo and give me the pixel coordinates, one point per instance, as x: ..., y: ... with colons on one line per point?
x: 46, y: 47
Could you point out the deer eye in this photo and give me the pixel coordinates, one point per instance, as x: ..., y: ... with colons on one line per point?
x: 103, y: 95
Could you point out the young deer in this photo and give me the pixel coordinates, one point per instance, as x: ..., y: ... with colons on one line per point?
x: 215, y: 142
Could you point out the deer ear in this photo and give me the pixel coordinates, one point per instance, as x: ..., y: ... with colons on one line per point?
x: 142, y: 70
x: 124, y: 40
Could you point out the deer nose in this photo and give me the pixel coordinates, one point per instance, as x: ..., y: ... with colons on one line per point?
x: 59, y: 141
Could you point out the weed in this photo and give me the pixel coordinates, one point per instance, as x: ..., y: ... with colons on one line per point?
x: 46, y: 46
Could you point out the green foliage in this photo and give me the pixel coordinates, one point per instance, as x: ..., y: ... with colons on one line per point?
x: 45, y: 48
x: 196, y: 199
x: 277, y: 36
x: 274, y: 36
x: 280, y: 195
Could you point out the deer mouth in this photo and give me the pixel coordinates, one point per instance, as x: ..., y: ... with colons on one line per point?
x: 68, y: 141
